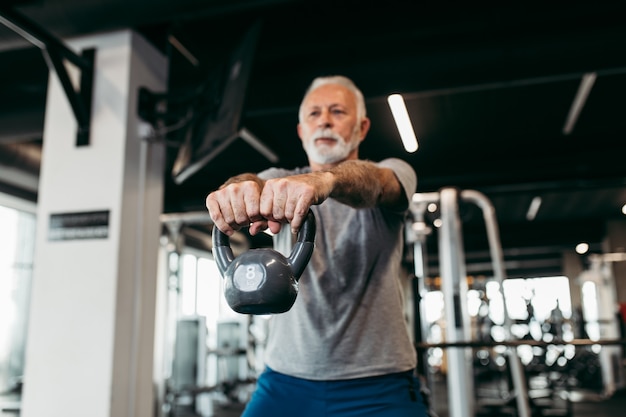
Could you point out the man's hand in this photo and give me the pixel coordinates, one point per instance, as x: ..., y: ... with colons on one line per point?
x: 247, y: 200
x: 236, y: 205
x: 288, y: 199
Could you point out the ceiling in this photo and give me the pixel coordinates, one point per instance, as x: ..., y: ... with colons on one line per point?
x: 489, y: 90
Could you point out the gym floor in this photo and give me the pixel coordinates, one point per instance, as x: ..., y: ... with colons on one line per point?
x: 614, y: 406
x: 611, y: 407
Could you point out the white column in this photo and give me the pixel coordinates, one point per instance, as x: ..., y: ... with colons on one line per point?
x: 91, y: 332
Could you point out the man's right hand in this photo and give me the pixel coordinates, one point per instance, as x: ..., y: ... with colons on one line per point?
x: 236, y: 205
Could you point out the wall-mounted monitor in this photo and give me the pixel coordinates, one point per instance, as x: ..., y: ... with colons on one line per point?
x: 218, y: 123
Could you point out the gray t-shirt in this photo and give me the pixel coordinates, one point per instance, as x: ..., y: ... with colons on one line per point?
x: 348, y: 320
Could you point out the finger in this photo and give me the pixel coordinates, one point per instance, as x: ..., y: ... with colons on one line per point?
x: 242, y: 200
x: 278, y: 207
x: 251, y: 203
x: 216, y: 214
x: 300, y: 213
x: 235, y: 198
x: 274, y: 226
x: 279, y: 194
x: 290, y: 208
x: 295, y: 224
x: 257, y: 226
x: 274, y: 198
x: 266, y: 201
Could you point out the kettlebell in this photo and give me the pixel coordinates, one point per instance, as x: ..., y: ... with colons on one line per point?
x: 263, y: 281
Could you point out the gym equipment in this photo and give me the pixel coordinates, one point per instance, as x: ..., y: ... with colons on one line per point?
x: 454, y: 287
x: 263, y: 281
x: 598, y: 299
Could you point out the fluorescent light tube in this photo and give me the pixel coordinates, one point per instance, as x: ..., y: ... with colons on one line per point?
x: 533, y: 208
x: 584, y: 88
x: 403, y: 122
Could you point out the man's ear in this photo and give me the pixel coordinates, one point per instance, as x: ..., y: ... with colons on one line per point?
x: 299, y: 130
x: 365, y: 127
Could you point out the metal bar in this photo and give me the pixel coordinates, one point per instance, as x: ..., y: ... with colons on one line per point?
x: 425, y: 197
x: 38, y: 37
x: 183, y: 51
x: 192, y: 168
x: 608, y: 257
x: 82, y: 117
x: 191, y: 217
x: 256, y: 143
x: 470, y: 88
x: 454, y: 288
x: 85, y: 96
x: 515, y: 343
x: 54, y: 52
x: 497, y: 259
x: 420, y: 265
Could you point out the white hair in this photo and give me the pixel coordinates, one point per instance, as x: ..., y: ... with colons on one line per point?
x: 361, y: 112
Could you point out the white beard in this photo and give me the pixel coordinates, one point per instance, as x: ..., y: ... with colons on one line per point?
x: 329, y: 154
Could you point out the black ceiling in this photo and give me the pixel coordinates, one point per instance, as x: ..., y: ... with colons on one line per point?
x: 489, y: 89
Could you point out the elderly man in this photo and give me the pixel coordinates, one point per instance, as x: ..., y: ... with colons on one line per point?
x: 344, y: 348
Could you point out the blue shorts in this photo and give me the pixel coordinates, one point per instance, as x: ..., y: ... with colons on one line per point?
x: 394, y: 395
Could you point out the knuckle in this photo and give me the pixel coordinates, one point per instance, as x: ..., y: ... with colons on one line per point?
x: 241, y: 218
x: 266, y: 212
x: 254, y: 213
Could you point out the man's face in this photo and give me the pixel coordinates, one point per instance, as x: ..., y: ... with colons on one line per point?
x: 329, y: 129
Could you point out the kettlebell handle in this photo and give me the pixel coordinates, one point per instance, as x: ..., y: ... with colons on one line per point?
x: 298, y: 260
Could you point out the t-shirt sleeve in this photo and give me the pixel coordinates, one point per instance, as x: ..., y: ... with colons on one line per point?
x: 272, y: 173
x: 405, y: 174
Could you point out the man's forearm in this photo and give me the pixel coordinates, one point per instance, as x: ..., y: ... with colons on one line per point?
x: 363, y: 184
x: 357, y: 183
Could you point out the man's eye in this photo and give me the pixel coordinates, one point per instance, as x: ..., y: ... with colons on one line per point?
x: 314, y: 113
x: 338, y: 111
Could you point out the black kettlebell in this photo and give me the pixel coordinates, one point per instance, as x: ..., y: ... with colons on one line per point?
x: 263, y: 281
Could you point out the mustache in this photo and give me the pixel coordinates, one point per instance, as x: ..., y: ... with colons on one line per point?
x: 327, y: 133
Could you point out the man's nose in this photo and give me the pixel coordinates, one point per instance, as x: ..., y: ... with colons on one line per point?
x: 324, y: 120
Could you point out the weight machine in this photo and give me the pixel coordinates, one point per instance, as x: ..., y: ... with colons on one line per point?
x: 187, y: 359
x: 454, y: 287
x: 599, y: 303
